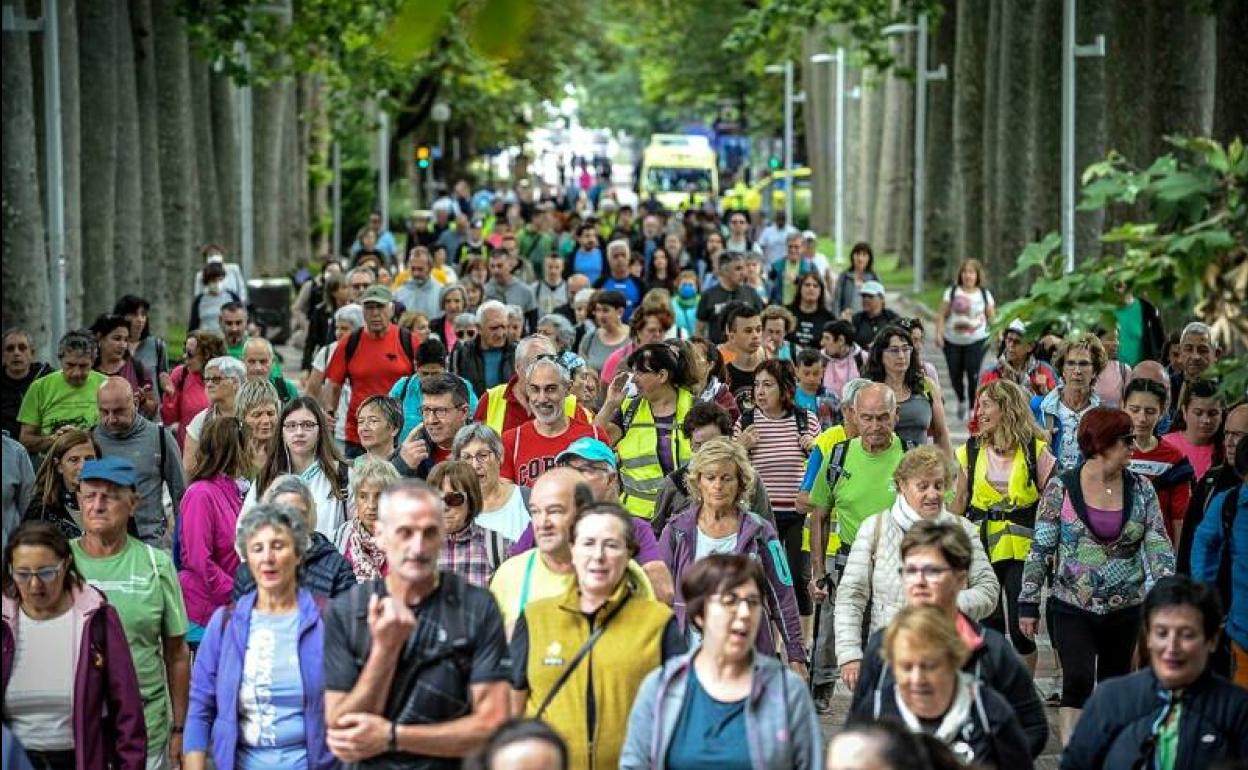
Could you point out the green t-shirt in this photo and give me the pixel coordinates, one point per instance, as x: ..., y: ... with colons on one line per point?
x: 237, y: 352
x: 142, y: 586
x: 1168, y: 739
x: 52, y: 403
x: 1130, y: 333
x: 864, y: 489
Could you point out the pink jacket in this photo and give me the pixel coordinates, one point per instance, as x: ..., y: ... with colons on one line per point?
x: 209, y: 515
x: 107, y: 719
x: 188, y: 400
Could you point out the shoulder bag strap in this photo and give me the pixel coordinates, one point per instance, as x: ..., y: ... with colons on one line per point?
x: 566, y: 674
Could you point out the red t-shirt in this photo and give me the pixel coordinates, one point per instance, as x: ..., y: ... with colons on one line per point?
x: 528, y: 454
x: 1163, y: 468
x: 378, y: 363
x: 516, y: 414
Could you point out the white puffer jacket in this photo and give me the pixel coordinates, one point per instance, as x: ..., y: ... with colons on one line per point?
x: 875, y: 578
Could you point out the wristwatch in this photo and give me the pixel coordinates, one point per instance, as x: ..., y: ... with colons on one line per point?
x: 176, y: 729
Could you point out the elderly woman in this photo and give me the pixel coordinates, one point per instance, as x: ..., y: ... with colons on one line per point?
x: 504, y: 505
x: 143, y: 586
x: 1059, y: 412
x: 558, y: 330
x: 71, y: 695
x: 223, y: 378
x: 56, y: 485
x: 872, y: 576
x: 468, y: 549
x: 603, y: 612
x: 325, y: 571
x: 1007, y: 464
x: 258, y: 690
x: 356, y: 537
x: 894, y: 361
x: 378, y: 421
x: 1174, y: 713
x: 257, y: 405
x: 1101, y: 535
x: 184, y: 393
x: 452, y: 300
x: 306, y: 449
x: 764, y: 717
x: 644, y: 427
x: 721, y: 481
x: 931, y: 694
x: 347, y: 319
x: 207, y: 520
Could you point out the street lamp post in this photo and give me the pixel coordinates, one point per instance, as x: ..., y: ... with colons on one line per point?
x: 922, y: 77
x: 838, y: 144
x: 1070, y: 52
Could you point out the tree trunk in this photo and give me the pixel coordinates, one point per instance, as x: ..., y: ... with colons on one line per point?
x: 883, y: 232
x: 210, y: 191
x: 320, y: 171
x: 1186, y: 71
x: 97, y: 72
x: 128, y: 273
x: 939, y: 209
x: 1090, y: 122
x: 153, y: 226
x: 855, y: 161
x: 968, y: 123
x: 1043, y: 173
x: 819, y: 82
x: 269, y: 115
x: 901, y: 220
x: 1230, y: 113
x: 1130, y: 59
x: 1013, y: 130
x: 225, y: 153
x: 24, y: 267
x: 992, y: 107
x: 71, y: 161
x: 174, y: 135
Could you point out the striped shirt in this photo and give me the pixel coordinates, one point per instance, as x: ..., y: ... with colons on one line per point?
x: 778, y: 457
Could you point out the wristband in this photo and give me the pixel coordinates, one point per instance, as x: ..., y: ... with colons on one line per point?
x: 393, y: 746
x: 176, y: 729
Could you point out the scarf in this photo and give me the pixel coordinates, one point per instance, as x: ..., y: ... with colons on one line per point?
x: 367, y: 558
x: 955, y: 719
x: 906, y: 517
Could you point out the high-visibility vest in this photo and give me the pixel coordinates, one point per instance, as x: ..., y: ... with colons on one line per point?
x: 496, y: 409
x: 1006, y: 522
x: 641, y: 475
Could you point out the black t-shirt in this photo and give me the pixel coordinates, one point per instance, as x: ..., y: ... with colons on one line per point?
x: 458, y: 642
x: 809, y: 330
x: 866, y: 327
x: 11, y: 393
x: 711, y: 308
x: 741, y: 383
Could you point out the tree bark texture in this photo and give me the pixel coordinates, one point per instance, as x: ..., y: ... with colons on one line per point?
x: 269, y: 113
x: 1230, y: 111
x: 968, y: 123
x: 128, y: 274
x: 174, y: 136
x: 1008, y: 234
x: 97, y: 68
x: 939, y: 211
x: 153, y: 225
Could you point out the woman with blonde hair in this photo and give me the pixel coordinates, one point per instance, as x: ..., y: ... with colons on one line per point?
x: 257, y: 405
x: 1002, y: 470
x: 872, y: 576
x: 56, y: 485
x: 968, y: 308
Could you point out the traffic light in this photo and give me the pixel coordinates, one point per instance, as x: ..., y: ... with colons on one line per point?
x: 773, y: 162
x: 423, y: 154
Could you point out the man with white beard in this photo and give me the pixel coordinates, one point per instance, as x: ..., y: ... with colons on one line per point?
x: 530, y: 449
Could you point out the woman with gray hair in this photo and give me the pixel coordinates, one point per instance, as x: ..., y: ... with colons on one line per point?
x: 254, y: 701
x: 347, y: 319
x: 452, y: 301
x: 257, y: 405
x: 223, y: 378
x: 326, y: 572
x: 558, y: 330
x: 504, y: 505
x: 356, y: 538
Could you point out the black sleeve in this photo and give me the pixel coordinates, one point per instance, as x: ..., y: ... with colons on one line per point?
x: 341, y: 672
x: 490, y: 658
x: 1010, y: 745
x: 1016, y: 685
x: 311, y: 340
x: 520, y: 654
x: 344, y: 577
x: 193, y: 324
x: 673, y: 643
x: 869, y: 673
x: 704, y: 308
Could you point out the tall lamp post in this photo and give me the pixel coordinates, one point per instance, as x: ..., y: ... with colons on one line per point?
x: 790, y: 99
x: 1070, y: 52
x: 923, y: 76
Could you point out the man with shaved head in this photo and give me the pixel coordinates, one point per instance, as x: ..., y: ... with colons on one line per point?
x: 152, y: 450
x: 260, y: 359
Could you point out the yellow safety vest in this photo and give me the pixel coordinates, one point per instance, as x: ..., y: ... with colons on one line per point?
x: 1006, y: 522
x: 496, y: 408
x: 641, y: 475
x: 826, y: 440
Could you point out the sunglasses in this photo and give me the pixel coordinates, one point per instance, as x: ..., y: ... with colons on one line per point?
x: 453, y: 499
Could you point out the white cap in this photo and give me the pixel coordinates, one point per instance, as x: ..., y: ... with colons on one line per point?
x: 810, y: 235
x: 872, y: 288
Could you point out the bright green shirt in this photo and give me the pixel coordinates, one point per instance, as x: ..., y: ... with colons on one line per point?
x: 51, y: 403
x: 237, y: 352
x: 864, y: 488
x: 1130, y: 333
x: 1168, y: 739
x: 143, y: 587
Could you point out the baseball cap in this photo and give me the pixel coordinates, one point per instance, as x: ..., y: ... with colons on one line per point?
x: 1017, y: 325
x: 588, y: 449
x: 872, y: 287
x: 810, y: 235
x: 116, y: 470
x: 477, y: 222
x: 376, y: 294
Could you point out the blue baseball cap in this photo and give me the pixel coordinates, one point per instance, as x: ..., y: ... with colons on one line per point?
x: 116, y: 470
x: 588, y: 449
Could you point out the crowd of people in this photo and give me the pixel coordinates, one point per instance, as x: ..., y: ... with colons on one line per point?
x: 553, y: 489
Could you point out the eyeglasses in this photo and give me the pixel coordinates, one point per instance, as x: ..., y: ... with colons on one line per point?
x: 899, y: 350
x: 307, y: 426
x: 453, y: 499
x: 927, y: 572
x: 466, y: 333
x: 590, y: 469
x: 437, y: 412
x: 480, y: 458
x: 732, y: 601
x: 360, y: 286
x: 45, y: 575
x: 1079, y: 364
x: 212, y: 380
x: 370, y: 422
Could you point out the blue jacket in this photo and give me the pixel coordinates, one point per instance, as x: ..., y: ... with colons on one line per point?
x: 781, y: 727
x: 215, y: 682
x: 1210, y: 550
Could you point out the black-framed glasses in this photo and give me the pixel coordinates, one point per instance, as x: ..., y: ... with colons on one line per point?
x: 307, y: 426
x: 45, y: 575
x: 453, y: 499
x: 732, y: 601
x: 927, y: 572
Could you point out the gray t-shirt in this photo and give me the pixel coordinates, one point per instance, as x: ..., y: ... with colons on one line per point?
x: 514, y: 293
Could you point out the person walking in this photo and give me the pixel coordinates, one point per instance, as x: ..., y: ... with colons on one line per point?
x: 966, y: 310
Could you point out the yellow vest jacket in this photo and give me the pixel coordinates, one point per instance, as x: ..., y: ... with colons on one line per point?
x: 630, y: 648
x: 641, y: 475
x: 1006, y: 522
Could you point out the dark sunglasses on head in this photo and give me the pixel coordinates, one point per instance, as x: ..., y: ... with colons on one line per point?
x: 453, y: 499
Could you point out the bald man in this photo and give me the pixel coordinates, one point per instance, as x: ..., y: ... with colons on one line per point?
x: 123, y: 432
x: 261, y: 362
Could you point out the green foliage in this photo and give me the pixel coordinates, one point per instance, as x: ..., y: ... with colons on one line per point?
x: 1188, y: 254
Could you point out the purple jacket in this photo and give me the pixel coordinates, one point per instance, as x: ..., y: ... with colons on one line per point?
x: 209, y: 516
x: 109, y: 731
x: 756, y: 538
x: 212, y: 713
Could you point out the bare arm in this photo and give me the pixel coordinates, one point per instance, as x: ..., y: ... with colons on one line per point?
x: 661, y: 581
x: 313, y: 384
x: 178, y: 676
x: 939, y: 337
x: 962, y: 497
x: 329, y: 396
x: 519, y: 699
x: 460, y: 737
x: 940, y: 431
x: 190, y: 455
x: 35, y: 443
